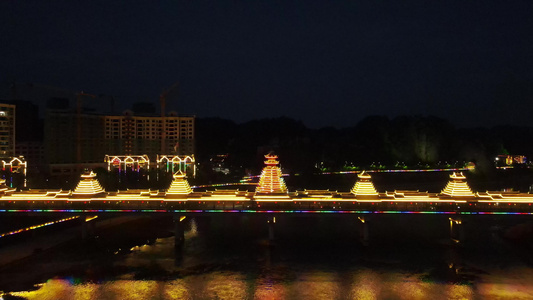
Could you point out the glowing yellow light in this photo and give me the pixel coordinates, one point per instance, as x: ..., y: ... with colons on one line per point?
x: 271, y: 181
x: 366, y: 285
x: 457, y: 186
x: 90, y: 218
x: 176, y: 290
x: 179, y: 187
x: 88, y: 186
x: 364, y: 188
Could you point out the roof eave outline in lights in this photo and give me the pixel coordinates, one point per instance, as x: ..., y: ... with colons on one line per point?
x: 88, y: 187
x: 271, y: 181
x: 364, y: 188
x: 179, y: 188
x: 457, y: 187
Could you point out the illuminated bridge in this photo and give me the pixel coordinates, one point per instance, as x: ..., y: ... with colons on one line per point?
x: 270, y: 198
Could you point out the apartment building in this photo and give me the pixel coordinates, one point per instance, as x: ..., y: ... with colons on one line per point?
x: 7, y: 130
x: 125, y: 134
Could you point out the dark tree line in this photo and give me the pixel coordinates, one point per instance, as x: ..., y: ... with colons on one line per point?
x: 376, y: 140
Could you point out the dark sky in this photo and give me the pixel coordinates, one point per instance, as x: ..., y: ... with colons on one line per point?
x: 322, y: 62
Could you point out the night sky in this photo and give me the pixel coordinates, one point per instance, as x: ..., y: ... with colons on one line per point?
x: 327, y: 63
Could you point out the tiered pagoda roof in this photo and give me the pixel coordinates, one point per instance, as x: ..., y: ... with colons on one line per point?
x: 88, y: 187
x: 179, y: 188
x: 364, y: 188
x: 457, y: 186
x: 271, y: 181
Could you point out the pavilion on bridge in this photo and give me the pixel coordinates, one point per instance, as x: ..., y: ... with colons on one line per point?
x: 271, y: 188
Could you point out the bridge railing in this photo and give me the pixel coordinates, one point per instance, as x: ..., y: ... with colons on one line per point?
x: 162, y: 204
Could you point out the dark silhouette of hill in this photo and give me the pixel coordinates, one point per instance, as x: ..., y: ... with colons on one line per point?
x: 375, y: 140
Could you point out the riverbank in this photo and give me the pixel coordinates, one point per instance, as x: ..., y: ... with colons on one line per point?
x: 60, y: 253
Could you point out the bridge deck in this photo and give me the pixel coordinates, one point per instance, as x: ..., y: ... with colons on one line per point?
x: 247, y: 206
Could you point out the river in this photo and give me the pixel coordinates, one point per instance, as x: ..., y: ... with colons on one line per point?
x: 312, y: 257
x: 320, y: 257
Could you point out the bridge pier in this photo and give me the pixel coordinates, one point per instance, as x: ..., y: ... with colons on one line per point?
x: 179, y: 232
x: 84, y: 227
x: 457, y: 232
x: 363, y: 230
x: 271, y: 221
x: 87, y: 226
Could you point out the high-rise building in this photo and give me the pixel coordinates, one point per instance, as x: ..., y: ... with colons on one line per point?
x: 69, y: 138
x: 29, y: 133
x: 7, y: 130
x: 86, y: 138
x: 130, y: 134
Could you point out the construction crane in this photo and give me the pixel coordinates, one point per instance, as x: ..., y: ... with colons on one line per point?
x: 79, y: 97
x: 162, y: 101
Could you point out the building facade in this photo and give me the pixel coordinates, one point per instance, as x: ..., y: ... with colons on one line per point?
x: 71, y: 139
x: 88, y: 138
x: 129, y: 134
x: 7, y: 130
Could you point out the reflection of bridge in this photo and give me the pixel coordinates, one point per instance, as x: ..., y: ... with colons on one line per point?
x: 270, y: 197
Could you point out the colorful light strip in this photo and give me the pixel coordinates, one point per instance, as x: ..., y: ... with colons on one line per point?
x: 262, y: 211
x: 37, y: 226
x: 396, y: 171
x: 223, y: 184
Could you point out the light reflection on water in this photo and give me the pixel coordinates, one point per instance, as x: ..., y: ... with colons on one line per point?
x: 214, y: 270
x: 366, y: 284
x: 268, y: 288
x: 316, y: 285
